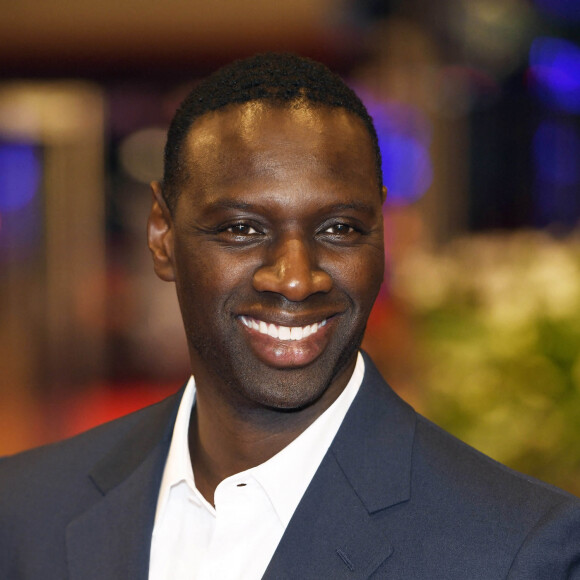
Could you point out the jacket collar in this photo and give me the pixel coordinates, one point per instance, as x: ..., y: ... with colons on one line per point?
x: 332, y: 533
x: 367, y: 469
x: 112, y: 538
x: 374, y: 444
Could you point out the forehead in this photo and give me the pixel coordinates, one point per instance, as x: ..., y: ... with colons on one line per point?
x: 258, y: 141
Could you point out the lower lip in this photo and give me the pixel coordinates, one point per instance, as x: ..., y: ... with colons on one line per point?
x: 285, y: 354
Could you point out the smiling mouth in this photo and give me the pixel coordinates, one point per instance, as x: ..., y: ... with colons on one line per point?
x: 283, y: 332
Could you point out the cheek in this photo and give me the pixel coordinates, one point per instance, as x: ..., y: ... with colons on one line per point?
x: 359, y: 275
x: 207, y: 277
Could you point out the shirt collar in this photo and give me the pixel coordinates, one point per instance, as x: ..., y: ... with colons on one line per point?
x: 286, y: 475
x: 178, y: 464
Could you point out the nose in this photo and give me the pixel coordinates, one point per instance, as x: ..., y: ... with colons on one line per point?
x: 291, y: 273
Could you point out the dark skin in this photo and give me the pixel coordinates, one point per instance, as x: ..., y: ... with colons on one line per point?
x: 276, y: 250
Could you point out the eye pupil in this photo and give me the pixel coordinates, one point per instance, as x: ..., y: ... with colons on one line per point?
x: 340, y: 229
x: 241, y: 229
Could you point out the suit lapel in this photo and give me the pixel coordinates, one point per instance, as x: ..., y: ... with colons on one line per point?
x: 367, y: 469
x: 112, y: 538
x: 331, y: 534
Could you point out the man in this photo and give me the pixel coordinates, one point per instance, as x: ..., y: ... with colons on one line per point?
x: 286, y: 455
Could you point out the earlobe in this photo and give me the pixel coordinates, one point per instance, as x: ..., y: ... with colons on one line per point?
x: 160, y: 235
x: 384, y: 194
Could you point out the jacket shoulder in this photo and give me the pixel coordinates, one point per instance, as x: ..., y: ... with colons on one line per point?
x: 56, y: 467
x: 44, y: 490
x: 455, y: 465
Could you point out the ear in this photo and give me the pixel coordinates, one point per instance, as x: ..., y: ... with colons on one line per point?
x: 384, y: 194
x: 160, y: 235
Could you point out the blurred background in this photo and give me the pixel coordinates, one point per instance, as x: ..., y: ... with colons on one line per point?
x: 477, y: 106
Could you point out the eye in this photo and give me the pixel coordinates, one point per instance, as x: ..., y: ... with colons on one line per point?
x: 339, y: 230
x: 240, y: 233
x: 241, y: 230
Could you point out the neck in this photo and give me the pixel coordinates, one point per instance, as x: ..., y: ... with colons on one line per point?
x: 223, y: 444
x: 228, y: 439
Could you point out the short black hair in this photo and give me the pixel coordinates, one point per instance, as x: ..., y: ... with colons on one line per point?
x: 278, y: 78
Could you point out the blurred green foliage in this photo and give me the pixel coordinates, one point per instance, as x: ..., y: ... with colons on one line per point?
x: 498, y: 320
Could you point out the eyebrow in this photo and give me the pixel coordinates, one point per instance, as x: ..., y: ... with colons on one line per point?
x: 230, y: 204
x: 356, y: 205
x: 246, y: 206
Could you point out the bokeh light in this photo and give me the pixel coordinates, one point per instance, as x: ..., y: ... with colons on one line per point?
x: 20, y: 173
x: 141, y: 154
x: 404, y: 135
x: 555, y: 73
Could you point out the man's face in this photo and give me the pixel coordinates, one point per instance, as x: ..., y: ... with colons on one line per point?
x: 276, y: 249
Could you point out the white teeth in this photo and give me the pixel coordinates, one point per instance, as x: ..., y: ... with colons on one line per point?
x: 295, y: 333
x: 282, y: 332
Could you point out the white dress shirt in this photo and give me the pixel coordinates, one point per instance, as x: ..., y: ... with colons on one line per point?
x: 235, y: 540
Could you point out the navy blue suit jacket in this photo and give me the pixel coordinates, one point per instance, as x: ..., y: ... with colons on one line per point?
x: 395, y: 497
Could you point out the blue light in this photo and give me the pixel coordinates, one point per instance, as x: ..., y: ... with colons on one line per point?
x: 557, y: 154
x: 404, y: 136
x: 555, y: 73
x: 565, y: 9
x: 20, y: 173
x: 406, y: 168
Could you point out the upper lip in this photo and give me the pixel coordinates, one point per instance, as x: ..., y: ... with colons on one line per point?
x: 290, y: 319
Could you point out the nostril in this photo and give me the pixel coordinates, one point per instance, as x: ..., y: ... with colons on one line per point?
x: 293, y: 285
x: 292, y: 273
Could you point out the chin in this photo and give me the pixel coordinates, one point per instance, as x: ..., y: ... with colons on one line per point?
x: 294, y: 389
